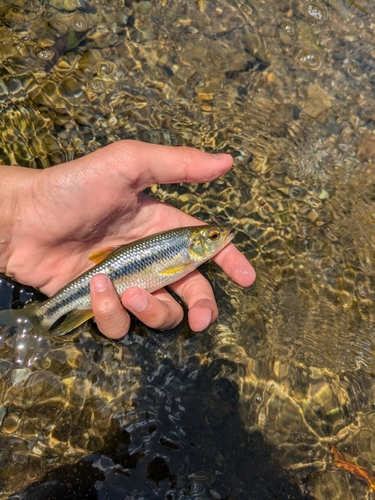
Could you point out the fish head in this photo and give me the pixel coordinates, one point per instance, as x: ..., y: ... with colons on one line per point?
x: 207, y: 241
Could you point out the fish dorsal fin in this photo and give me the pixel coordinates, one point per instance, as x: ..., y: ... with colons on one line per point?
x: 175, y: 269
x: 72, y: 320
x: 100, y: 255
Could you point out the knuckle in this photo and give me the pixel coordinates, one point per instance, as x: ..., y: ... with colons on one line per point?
x: 187, y: 160
x: 167, y: 318
x: 196, y: 288
x: 106, y: 308
x: 114, y: 326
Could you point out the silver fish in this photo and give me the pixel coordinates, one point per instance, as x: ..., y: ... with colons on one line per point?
x: 150, y: 263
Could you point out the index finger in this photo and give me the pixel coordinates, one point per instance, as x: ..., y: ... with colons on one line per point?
x: 235, y: 265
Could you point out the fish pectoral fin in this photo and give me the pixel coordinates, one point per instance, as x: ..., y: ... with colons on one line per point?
x: 100, y: 255
x: 175, y: 269
x: 72, y: 320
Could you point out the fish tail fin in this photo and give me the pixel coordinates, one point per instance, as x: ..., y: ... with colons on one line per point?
x: 26, y: 318
x: 72, y: 320
x: 30, y: 319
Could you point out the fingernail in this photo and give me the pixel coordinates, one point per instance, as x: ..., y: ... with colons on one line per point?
x: 100, y: 283
x: 137, y: 302
x: 206, y: 318
x: 220, y: 156
x: 201, y: 318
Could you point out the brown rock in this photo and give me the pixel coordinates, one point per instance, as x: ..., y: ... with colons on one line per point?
x: 366, y: 147
x: 317, y: 101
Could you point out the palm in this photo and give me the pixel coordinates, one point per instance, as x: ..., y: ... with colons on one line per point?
x: 62, y: 254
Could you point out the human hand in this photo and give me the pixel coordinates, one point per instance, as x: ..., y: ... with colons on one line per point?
x: 60, y: 215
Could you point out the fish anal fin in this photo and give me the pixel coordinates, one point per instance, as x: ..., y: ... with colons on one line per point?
x: 100, y: 255
x: 175, y: 269
x: 72, y: 320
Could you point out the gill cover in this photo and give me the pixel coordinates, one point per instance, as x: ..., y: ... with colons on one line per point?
x: 206, y: 241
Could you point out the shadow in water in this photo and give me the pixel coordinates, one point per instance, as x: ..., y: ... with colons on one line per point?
x: 186, y: 441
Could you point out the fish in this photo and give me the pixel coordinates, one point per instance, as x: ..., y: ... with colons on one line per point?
x: 150, y: 263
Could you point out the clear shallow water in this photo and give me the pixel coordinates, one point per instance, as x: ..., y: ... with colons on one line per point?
x: 182, y: 437
x: 287, y: 88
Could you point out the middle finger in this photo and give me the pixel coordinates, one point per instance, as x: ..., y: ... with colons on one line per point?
x: 158, y: 310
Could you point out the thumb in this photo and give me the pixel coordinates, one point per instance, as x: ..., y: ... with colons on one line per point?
x: 144, y: 164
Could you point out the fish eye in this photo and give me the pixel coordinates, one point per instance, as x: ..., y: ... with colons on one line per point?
x: 213, y: 235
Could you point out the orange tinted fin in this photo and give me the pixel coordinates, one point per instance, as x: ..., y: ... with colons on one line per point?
x: 354, y: 469
x: 72, y: 320
x: 100, y: 255
x: 175, y: 269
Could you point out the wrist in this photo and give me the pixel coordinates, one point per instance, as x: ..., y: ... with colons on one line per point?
x: 16, y: 193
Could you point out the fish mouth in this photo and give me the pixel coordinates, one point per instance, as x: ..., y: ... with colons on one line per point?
x: 228, y: 234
